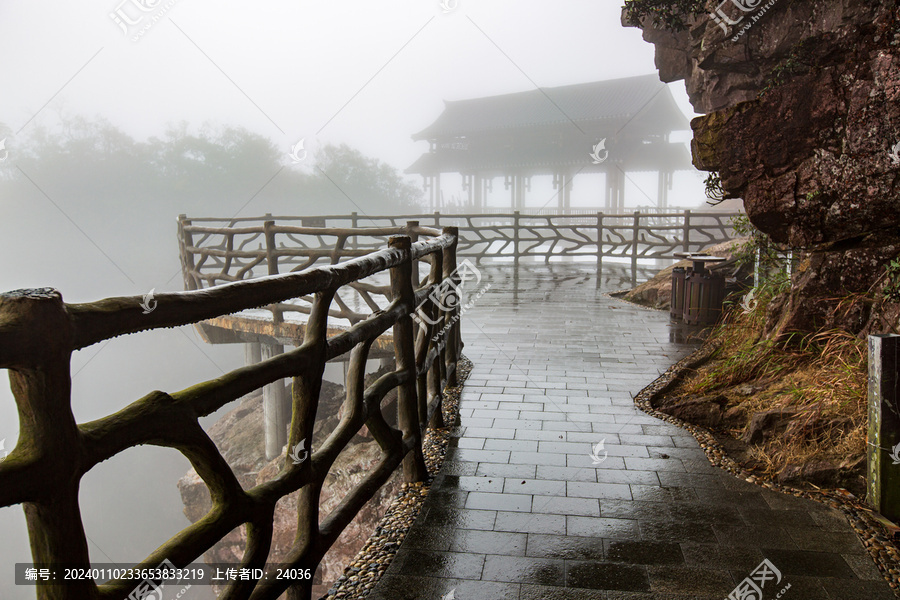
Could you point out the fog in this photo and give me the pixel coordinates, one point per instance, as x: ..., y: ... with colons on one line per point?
x: 101, y: 127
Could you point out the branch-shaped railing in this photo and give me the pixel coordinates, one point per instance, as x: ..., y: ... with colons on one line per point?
x: 39, y: 332
x: 217, y: 250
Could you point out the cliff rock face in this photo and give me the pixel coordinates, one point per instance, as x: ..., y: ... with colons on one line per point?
x: 239, y: 437
x: 802, y: 103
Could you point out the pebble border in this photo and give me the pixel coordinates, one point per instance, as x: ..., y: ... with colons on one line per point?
x: 372, y: 561
x: 870, y: 531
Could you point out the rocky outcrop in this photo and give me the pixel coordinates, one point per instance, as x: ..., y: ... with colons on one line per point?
x: 239, y: 437
x: 802, y: 116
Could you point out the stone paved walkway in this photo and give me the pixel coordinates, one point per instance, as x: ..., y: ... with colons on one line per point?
x: 520, y: 510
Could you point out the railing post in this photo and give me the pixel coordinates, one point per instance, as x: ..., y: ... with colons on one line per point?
x: 37, y: 349
x: 883, y: 474
x: 354, y: 224
x: 186, y: 241
x: 599, y: 241
x: 686, y: 232
x: 635, y: 231
x: 411, y: 231
x: 271, y: 261
x: 271, y: 258
x: 405, y: 354
x: 437, y: 371
x: 454, y: 340
x: 516, y: 237
x: 305, y: 392
x: 437, y: 218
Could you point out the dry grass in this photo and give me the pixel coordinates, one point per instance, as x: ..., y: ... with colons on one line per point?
x: 822, y: 377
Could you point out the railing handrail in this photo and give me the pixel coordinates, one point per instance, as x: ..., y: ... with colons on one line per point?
x: 522, y: 214
x: 38, y: 333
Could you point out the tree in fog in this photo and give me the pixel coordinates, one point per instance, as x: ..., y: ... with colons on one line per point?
x: 374, y: 186
x: 88, y: 164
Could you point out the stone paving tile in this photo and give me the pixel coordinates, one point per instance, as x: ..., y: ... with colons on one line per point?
x: 526, y: 569
x: 607, y: 576
x: 644, y: 553
x: 542, y: 592
x: 497, y: 470
x: 565, y: 547
x: 743, y: 560
x: 462, y: 565
x: 697, y: 581
x: 483, y: 542
x: 521, y: 509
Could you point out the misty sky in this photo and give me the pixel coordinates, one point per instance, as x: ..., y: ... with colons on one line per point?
x: 368, y: 74
x: 364, y: 73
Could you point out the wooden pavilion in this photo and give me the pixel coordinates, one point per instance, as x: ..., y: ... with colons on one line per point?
x: 611, y: 127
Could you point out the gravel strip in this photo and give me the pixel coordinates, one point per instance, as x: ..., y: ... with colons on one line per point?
x: 862, y: 518
x: 370, y: 564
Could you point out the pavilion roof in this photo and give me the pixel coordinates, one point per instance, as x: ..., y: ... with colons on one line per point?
x: 618, y: 100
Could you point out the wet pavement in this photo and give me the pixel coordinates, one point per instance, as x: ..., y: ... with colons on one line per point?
x: 556, y: 487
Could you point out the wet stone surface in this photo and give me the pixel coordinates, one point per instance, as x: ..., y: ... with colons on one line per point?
x: 557, y: 487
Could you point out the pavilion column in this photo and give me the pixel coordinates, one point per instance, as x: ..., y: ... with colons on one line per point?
x: 513, y: 184
x: 607, y: 203
x: 559, y: 186
x: 430, y: 187
x: 562, y: 182
x: 471, y: 190
x: 620, y: 190
x: 436, y: 192
x: 427, y: 186
x: 523, y: 186
x: 665, y: 184
x: 478, y: 185
x: 615, y: 190
x: 517, y: 191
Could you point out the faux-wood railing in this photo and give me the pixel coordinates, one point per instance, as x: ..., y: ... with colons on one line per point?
x: 39, y: 332
x: 216, y: 244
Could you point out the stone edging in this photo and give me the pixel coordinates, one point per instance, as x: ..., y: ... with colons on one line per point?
x: 882, y: 550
